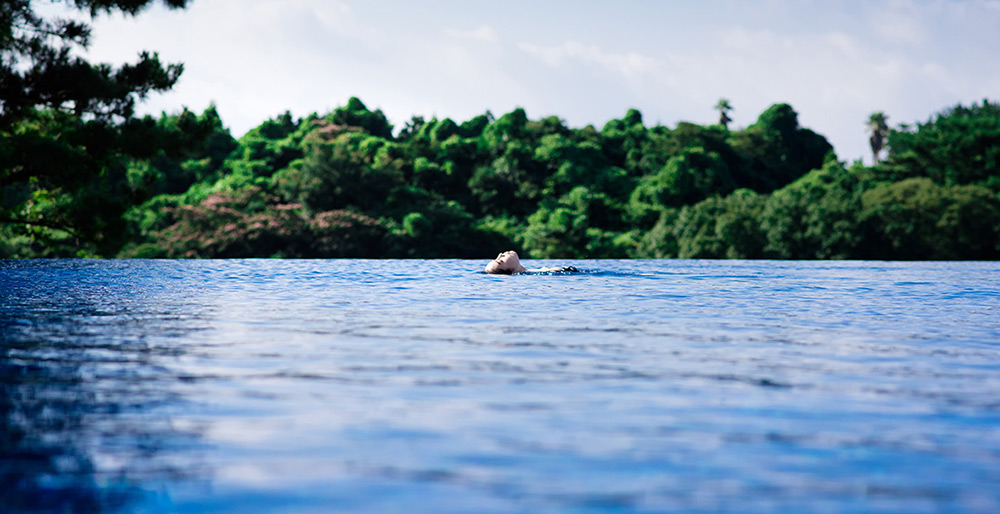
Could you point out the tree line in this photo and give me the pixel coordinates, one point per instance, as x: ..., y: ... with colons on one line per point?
x: 83, y: 176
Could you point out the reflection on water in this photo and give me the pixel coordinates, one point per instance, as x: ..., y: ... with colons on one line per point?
x: 371, y: 386
x: 82, y: 400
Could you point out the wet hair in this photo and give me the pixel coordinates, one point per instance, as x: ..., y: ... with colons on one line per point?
x: 498, y: 270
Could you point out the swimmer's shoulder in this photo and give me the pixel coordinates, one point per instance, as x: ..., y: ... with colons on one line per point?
x: 560, y: 269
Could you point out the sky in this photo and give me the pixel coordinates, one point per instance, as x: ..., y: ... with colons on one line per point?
x: 834, y: 62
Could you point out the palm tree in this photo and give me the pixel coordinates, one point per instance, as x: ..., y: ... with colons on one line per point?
x: 879, y: 128
x: 724, y: 109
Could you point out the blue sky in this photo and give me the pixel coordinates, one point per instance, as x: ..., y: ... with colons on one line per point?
x: 584, y: 61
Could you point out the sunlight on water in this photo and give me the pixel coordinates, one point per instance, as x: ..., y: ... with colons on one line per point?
x: 428, y: 386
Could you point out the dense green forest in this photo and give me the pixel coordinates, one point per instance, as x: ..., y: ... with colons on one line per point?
x: 345, y: 184
x: 83, y: 176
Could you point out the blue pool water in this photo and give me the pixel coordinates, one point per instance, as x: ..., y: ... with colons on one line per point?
x: 427, y: 386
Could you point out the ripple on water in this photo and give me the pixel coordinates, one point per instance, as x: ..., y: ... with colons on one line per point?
x: 375, y: 385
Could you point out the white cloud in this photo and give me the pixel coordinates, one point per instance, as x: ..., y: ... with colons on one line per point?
x: 833, y: 78
x: 834, y: 63
x: 630, y: 65
x: 899, y: 23
x: 254, y: 59
x: 455, y: 72
x: 481, y: 33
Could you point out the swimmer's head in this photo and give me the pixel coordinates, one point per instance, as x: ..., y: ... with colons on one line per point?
x: 506, y: 263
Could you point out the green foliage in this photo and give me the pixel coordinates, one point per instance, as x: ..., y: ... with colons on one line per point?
x: 623, y: 139
x: 659, y: 242
x: 38, y: 68
x: 568, y: 164
x: 961, y: 145
x: 779, y: 150
x: 63, y: 175
x: 252, y: 223
x: 724, y: 108
x: 341, y: 185
x: 918, y: 219
x: 68, y: 134
x: 347, y: 171
x: 815, y: 217
x: 189, y: 149
x: 82, y: 176
x: 577, y: 226
x: 878, y: 127
x: 556, y: 230
x: 513, y: 182
x: 718, y: 228
x: 356, y: 116
x: 689, y: 177
x: 446, y: 229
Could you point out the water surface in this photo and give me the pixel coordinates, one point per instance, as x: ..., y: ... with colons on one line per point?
x: 427, y: 386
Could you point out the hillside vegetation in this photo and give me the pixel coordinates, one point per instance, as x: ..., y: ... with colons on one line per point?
x: 345, y: 184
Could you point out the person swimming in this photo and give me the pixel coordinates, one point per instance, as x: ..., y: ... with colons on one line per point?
x: 508, y: 263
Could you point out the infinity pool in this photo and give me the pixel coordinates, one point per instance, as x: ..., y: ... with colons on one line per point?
x: 428, y: 386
